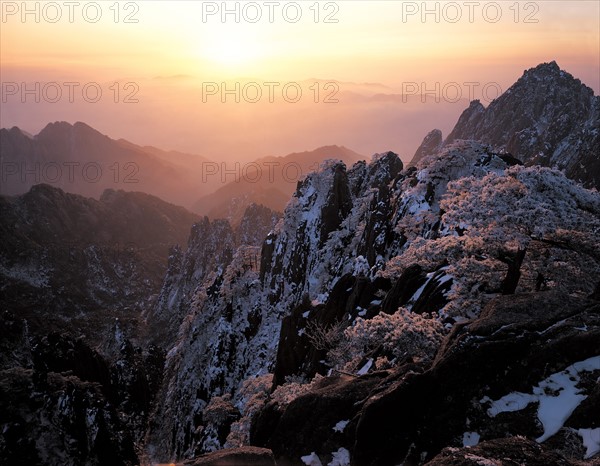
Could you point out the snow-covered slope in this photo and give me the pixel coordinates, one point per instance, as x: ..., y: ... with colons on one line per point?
x: 354, y: 243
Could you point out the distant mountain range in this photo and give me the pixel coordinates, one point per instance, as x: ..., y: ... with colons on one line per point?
x: 269, y: 181
x: 81, y: 160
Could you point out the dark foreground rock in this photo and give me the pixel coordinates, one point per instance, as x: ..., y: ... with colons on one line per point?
x: 59, y: 419
x: 514, y: 450
x: 308, y: 423
x: 409, y: 416
x: 245, y: 456
x: 516, y: 342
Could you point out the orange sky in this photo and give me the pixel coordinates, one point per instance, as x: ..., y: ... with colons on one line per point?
x: 384, y: 42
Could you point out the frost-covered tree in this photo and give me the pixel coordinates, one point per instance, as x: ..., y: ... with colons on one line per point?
x: 395, y: 337
x: 532, y: 219
x: 252, y: 396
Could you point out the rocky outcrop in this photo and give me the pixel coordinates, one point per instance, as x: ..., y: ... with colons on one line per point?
x: 494, y: 353
x: 210, y: 302
x: 379, y: 181
x: 210, y: 249
x: 517, y: 450
x: 255, y: 225
x: 59, y: 419
x: 468, y: 120
x: 296, y: 352
x: 430, y: 145
x: 308, y: 424
x: 244, y: 456
x: 250, y: 322
x: 318, y: 207
x: 546, y: 118
x: 411, y: 413
x: 233, y: 323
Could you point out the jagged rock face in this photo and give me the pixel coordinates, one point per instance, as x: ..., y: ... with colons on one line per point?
x: 229, y: 335
x: 59, y: 420
x: 430, y: 145
x: 338, y: 204
x: 256, y: 224
x: 546, y: 118
x: 211, y: 288
x: 468, y: 120
x: 247, y: 322
x: 296, y: 354
x: 210, y: 250
x: 351, y: 297
x: 333, y: 214
x: 317, y: 208
x: 410, y: 413
x: 378, y: 232
x: 403, y: 289
x: 234, y: 321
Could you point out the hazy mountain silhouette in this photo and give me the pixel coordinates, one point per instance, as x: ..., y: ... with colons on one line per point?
x: 81, y: 160
x: 269, y: 181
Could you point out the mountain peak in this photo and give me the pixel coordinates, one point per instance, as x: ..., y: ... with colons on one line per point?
x: 546, y: 68
x: 430, y: 145
x: 546, y: 118
x: 549, y: 74
x: 63, y: 127
x: 57, y: 126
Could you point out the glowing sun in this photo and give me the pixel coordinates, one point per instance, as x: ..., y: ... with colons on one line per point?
x: 234, y: 50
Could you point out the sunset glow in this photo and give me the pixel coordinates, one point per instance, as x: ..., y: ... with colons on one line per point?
x: 319, y: 232
x: 169, y: 49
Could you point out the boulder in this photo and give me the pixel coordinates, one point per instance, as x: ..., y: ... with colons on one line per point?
x: 516, y: 342
x: 513, y: 450
x: 244, y: 456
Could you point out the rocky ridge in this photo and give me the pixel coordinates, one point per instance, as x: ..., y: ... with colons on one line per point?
x: 546, y: 118
x: 356, y: 245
